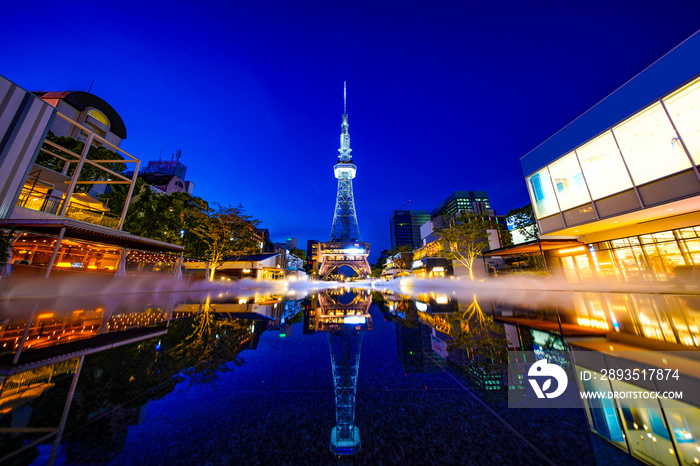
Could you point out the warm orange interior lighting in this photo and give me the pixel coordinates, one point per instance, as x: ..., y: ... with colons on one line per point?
x: 91, y: 266
x: 45, y: 315
x: 566, y: 251
x: 63, y: 264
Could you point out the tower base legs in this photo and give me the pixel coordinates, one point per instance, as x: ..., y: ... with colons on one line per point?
x: 345, y: 440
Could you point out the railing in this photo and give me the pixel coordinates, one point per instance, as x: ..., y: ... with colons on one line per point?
x: 41, y: 202
x: 92, y: 216
x: 36, y: 200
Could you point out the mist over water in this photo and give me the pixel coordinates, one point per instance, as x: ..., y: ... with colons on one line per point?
x: 523, y: 290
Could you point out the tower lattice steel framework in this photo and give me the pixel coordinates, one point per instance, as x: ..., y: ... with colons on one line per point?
x: 345, y: 226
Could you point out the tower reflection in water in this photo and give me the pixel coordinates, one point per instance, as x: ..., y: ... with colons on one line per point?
x: 344, y: 316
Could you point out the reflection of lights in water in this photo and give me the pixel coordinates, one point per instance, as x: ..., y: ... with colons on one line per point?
x: 596, y: 323
x: 355, y: 320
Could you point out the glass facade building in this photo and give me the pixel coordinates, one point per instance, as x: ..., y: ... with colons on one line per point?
x: 623, y: 178
x: 404, y: 228
x: 645, y: 160
x: 476, y: 201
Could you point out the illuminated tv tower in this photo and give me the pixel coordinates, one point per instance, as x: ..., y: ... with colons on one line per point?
x: 345, y: 226
x: 344, y: 247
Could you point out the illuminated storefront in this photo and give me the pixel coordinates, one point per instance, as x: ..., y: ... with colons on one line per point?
x: 623, y: 178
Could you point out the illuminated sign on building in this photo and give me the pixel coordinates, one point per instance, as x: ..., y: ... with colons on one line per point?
x: 569, y: 250
x: 595, y: 323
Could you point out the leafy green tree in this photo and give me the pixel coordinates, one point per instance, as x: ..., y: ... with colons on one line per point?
x: 300, y: 253
x: 524, y: 220
x: 89, y: 172
x: 465, y: 238
x: 169, y: 218
x: 228, y: 233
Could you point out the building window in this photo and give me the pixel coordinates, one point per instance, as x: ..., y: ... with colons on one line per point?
x: 650, y: 146
x: 603, y: 167
x: 568, y: 181
x: 684, y: 108
x: 541, y: 191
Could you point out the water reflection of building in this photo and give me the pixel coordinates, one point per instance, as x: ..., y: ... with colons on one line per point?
x: 344, y: 316
x: 45, y: 344
x: 103, y: 359
x: 624, y: 331
x: 622, y: 179
x: 654, y: 430
x: 423, y: 329
x: 654, y: 319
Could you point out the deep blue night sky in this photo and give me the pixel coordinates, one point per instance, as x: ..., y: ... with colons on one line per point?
x: 442, y: 97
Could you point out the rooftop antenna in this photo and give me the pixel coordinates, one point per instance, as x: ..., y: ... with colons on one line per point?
x: 345, y: 96
x: 160, y: 156
x: 91, y: 83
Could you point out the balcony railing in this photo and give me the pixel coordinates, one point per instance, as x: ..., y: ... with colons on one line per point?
x: 35, y: 200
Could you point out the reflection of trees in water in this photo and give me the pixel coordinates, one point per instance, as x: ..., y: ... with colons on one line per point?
x: 115, y: 384
x: 215, y: 341
x: 479, y: 342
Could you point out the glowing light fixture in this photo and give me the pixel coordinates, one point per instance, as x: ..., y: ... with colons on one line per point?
x: 568, y: 250
x: 355, y: 320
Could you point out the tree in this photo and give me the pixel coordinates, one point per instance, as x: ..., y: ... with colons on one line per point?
x: 524, y: 222
x: 523, y: 219
x: 228, y: 233
x: 162, y: 217
x: 214, y: 343
x: 300, y: 253
x: 89, y: 172
x: 465, y: 238
x: 481, y: 342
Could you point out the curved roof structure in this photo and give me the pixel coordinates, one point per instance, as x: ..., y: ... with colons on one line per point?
x: 82, y: 100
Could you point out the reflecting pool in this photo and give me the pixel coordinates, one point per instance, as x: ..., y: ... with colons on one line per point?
x: 360, y: 376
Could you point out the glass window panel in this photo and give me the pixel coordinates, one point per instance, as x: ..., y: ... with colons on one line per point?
x: 647, y: 433
x: 650, y: 146
x: 603, y: 167
x: 663, y: 236
x: 684, y: 421
x: 602, y: 414
x: 658, y: 263
x: 542, y: 194
x: 647, y: 239
x: 684, y: 108
x: 620, y: 243
x: 687, y: 233
x: 568, y: 181
x: 693, y: 247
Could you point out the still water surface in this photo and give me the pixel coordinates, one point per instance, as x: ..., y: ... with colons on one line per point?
x: 174, y: 379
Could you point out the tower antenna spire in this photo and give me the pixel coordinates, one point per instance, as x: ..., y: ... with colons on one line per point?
x: 345, y: 96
